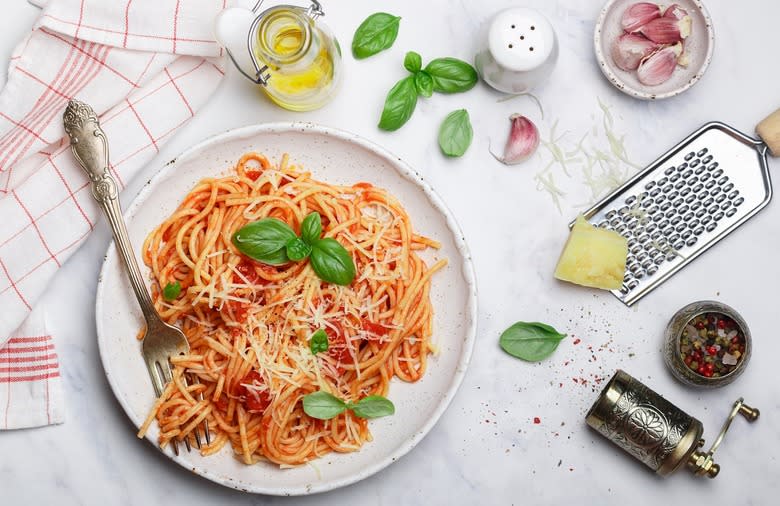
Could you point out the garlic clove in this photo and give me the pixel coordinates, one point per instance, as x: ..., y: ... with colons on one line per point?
x: 667, y: 30
x: 638, y: 15
x: 659, y: 66
x: 522, y: 141
x: 629, y: 49
x: 683, y: 60
x: 675, y: 11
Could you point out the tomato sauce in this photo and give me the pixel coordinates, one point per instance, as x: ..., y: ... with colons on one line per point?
x: 253, y: 401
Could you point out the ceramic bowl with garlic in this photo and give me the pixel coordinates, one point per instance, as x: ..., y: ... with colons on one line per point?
x: 653, y: 50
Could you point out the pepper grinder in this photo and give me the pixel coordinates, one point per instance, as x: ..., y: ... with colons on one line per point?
x: 518, y: 50
x: 655, y: 431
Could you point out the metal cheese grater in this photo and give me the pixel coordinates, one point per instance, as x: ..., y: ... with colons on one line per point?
x: 687, y: 200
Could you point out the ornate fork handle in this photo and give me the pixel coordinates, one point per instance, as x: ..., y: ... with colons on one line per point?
x: 90, y: 147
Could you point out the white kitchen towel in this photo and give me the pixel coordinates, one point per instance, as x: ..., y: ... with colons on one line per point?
x: 30, y: 389
x: 145, y: 66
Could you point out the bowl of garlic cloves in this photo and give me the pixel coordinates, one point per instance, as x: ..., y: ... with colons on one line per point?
x: 651, y: 50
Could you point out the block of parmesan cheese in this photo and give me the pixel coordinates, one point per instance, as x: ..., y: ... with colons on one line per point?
x: 593, y: 256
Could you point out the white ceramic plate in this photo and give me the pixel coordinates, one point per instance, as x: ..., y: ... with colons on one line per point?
x: 699, y: 46
x: 336, y: 157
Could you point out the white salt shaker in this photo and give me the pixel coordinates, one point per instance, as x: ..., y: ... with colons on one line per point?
x: 518, y: 50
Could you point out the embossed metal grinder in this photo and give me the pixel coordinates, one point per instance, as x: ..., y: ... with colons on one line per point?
x: 655, y: 431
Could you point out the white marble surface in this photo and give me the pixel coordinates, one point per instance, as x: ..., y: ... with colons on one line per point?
x: 487, y: 448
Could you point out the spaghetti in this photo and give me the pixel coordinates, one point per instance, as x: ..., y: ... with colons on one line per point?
x: 248, y: 323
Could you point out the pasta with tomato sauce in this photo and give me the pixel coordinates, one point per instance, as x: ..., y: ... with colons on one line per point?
x: 249, y: 323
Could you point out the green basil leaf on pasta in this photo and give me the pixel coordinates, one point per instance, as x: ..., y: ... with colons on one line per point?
x: 171, y: 291
x: 332, y: 262
x: 451, y: 75
x: 373, y: 406
x: 297, y: 249
x: 265, y: 240
x: 399, y: 104
x: 311, y: 228
x: 455, y: 133
x: 318, y: 342
x: 322, y: 405
x: 532, y: 341
x: 376, y: 33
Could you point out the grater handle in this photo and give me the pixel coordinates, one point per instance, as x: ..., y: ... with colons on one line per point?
x: 769, y: 131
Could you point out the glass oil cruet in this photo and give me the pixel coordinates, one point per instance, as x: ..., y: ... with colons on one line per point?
x: 286, y: 50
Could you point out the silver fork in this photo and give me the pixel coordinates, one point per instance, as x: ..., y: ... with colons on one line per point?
x: 162, y: 341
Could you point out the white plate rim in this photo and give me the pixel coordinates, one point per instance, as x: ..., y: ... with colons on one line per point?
x: 403, y: 170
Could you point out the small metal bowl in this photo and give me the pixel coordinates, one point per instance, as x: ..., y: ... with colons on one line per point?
x: 676, y: 326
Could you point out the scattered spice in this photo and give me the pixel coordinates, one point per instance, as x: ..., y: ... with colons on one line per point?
x: 712, y: 345
x: 537, y: 420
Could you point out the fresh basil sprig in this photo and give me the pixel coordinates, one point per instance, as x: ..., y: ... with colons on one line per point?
x: 297, y: 249
x: 318, y: 342
x: 451, y: 75
x: 265, y: 240
x: 324, y: 406
x: 332, y: 262
x: 445, y: 75
x: 375, y: 34
x: 373, y: 406
x: 172, y: 291
x: 399, y: 104
x: 273, y: 242
x: 532, y: 341
x: 455, y: 133
x: 311, y: 227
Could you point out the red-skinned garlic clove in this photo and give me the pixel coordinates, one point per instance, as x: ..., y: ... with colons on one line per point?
x: 638, y: 15
x: 522, y: 141
x: 667, y: 30
x: 629, y: 49
x: 659, y: 66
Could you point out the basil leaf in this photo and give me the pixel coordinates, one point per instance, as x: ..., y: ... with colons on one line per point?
x: 399, y: 104
x: 424, y: 83
x: 322, y: 405
x: 372, y: 406
x: 451, y: 75
x: 297, y: 249
x: 171, y: 291
x: 376, y: 33
x: 530, y: 341
x: 318, y: 342
x: 264, y: 240
x: 413, y: 62
x: 332, y: 262
x: 455, y: 133
x: 311, y: 228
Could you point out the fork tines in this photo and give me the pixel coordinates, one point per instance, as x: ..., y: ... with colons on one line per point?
x: 162, y: 375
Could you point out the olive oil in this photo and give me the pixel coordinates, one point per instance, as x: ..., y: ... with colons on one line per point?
x: 302, y: 59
